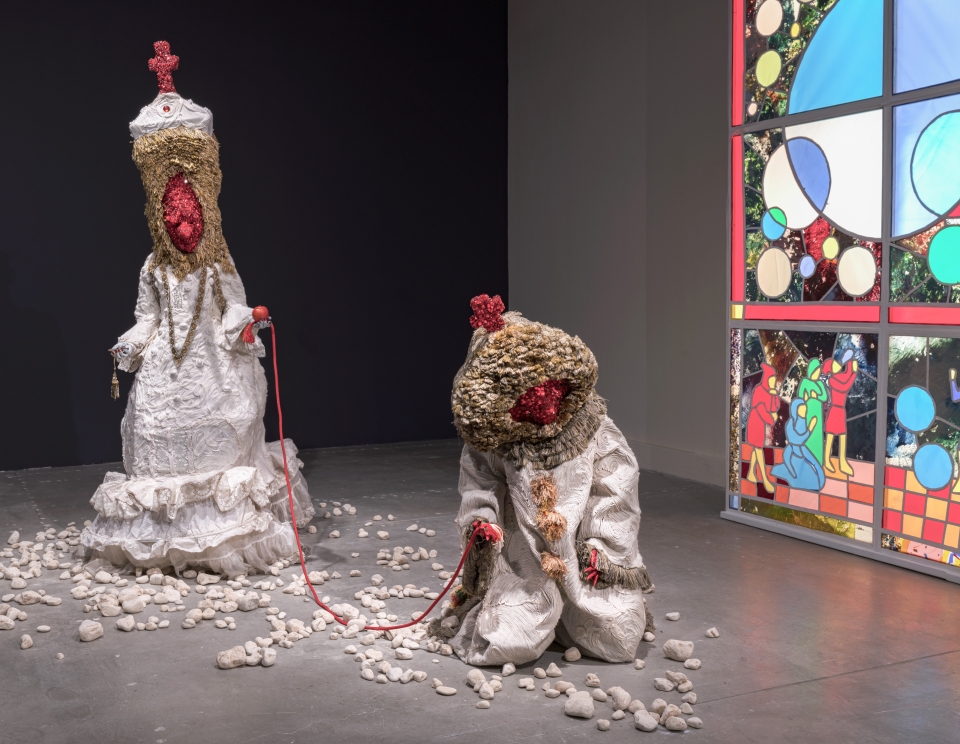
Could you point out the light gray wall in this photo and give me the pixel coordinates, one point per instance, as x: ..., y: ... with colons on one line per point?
x: 616, y: 208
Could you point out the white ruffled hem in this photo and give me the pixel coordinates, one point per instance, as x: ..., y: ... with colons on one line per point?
x: 123, y: 497
x: 230, y: 522
x: 250, y: 547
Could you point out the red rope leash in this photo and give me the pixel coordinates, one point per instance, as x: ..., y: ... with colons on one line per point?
x: 296, y: 532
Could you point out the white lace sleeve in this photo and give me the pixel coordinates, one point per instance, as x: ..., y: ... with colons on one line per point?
x: 236, y: 314
x: 147, y: 314
x: 482, y: 488
x: 611, y: 522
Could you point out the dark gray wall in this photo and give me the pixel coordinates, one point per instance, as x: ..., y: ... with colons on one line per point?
x: 616, y: 219
x: 363, y: 146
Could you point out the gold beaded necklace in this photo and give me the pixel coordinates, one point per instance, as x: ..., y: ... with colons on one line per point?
x: 180, y: 354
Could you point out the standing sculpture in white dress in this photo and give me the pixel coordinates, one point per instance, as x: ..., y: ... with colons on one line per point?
x: 201, y: 486
x: 553, y: 484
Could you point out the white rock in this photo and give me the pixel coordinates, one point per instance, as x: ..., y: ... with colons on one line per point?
x: 639, y: 663
x: 6, y: 623
x: 446, y: 691
x: 14, y: 538
x: 551, y: 693
x: 635, y: 705
x: 694, y: 722
x: 690, y: 697
x: 644, y: 721
x: 385, y: 536
x: 232, y: 658
x: 572, y: 654
x: 486, y: 691
x: 419, y: 676
x: 562, y: 686
x: 60, y: 656
x: 686, y: 709
x: 553, y: 670
x: 431, y: 533
x: 204, y: 579
x: 525, y: 682
x: 675, y: 723
x: 692, y: 664
x: 579, y: 705
x: 127, y: 623
x: 18, y: 583
x: 592, y: 680
x: 26, y: 642
x: 685, y: 686
x: 540, y: 673
x: 405, y: 654
x: 508, y: 669
x: 620, y: 698
x: 672, y: 616
x: 43, y: 628
x: 663, y: 684
x: 163, y: 624
x: 603, y: 724
x: 649, y: 637
x: 248, y: 602
x: 90, y: 630
x: 713, y: 633
x: 367, y: 674
x: 618, y: 715
x: 678, y: 650
x: 475, y: 677
x: 335, y: 534
x: 394, y: 674
x: 599, y: 695
x: 29, y: 598
x: 269, y: 657
x: 675, y: 677
x: 110, y: 610
x: 134, y: 606
x: 483, y: 704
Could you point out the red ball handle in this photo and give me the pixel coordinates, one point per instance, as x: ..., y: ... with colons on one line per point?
x: 260, y: 313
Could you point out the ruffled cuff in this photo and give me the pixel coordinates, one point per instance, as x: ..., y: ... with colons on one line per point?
x: 139, y: 337
x: 235, y: 319
x: 610, y: 573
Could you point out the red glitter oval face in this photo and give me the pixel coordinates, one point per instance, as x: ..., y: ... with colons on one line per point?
x: 540, y: 404
x: 182, y: 214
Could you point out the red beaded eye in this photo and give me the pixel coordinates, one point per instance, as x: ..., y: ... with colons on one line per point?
x: 166, y: 109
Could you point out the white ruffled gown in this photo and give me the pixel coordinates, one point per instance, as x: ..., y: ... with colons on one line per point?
x: 202, y: 487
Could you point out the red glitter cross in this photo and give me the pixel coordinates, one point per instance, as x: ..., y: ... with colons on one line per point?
x: 164, y: 64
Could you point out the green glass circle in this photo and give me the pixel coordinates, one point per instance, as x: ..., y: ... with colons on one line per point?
x: 768, y: 68
x: 778, y: 216
x: 944, y: 255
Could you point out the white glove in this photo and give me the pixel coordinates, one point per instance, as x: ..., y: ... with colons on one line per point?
x: 261, y: 324
x: 122, y: 350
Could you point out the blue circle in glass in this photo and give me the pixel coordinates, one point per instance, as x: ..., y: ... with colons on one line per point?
x: 914, y: 408
x: 933, y: 466
x: 811, y: 168
x: 773, y: 224
x: 807, y: 266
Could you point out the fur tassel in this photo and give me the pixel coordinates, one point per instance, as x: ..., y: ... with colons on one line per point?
x: 552, y: 565
x: 552, y: 525
x: 544, y: 492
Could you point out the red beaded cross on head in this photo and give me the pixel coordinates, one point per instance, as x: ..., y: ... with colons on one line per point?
x: 164, y: 64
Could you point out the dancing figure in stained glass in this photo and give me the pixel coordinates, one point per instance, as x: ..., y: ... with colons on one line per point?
x: 764, y: 405
x: 843, y: 375
x: 800, y: 468
x: 813, y: 390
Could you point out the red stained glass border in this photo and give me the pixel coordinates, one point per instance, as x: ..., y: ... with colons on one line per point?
x: 736, y: 103
x: 849, y: 313
x: 925, y: 315
x: 736, y: 220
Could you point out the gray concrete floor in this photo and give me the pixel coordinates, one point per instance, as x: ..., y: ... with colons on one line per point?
x: 816, y: 645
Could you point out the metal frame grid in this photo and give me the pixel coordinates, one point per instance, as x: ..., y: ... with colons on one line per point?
x: 883, y: 328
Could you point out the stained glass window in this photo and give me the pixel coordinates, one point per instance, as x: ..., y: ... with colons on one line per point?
x: 845, y: 232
